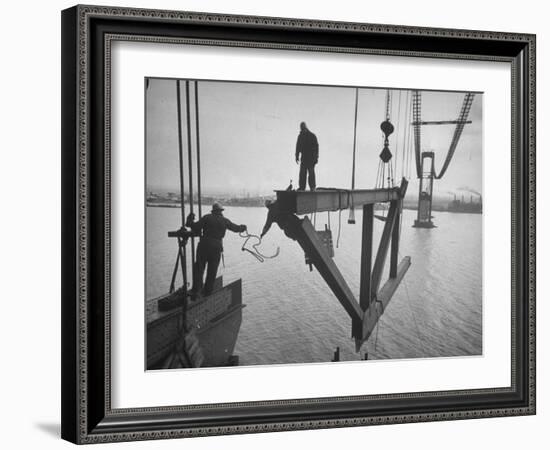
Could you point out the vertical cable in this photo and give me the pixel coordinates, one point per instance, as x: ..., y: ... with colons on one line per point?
x: 405, y: 136
x: 409, y: 138
x: 351, y: 219
x: 190, y: 159
x: 354, y: 138
x: 197, y: 134
x: 399, y: 127
x: 182, y: 188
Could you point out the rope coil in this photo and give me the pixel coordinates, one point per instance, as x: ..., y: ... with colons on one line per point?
x: 256, y: 253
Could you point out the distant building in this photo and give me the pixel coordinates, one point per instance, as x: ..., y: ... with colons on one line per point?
x: 460, y: 206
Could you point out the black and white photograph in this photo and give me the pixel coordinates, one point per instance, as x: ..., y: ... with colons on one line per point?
x: 293, y: 223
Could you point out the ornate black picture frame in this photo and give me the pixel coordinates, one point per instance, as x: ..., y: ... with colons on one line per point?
x: 87, y: 35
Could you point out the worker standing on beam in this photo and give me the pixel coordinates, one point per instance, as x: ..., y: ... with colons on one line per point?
x: 211, y: 228
x: 308, y: 147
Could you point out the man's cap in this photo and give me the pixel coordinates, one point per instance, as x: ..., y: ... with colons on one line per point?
x: 217, y: 207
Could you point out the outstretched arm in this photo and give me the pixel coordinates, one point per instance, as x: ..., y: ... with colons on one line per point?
x: 234, y: 227
x: 268, y: 222
x: 267, y: 226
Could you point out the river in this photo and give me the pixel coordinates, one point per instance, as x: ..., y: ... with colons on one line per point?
x: 291, y: 316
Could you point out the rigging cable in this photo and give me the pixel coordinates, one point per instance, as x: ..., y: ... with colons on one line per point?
x: 354, y: 138
x: 376, y: 338
x: 405, y: 135
x: 190, y: 162
x: 409, y: 139
x: 339, y: 227
x: 182, y: 253
x: 351, y: 219
x: 340, y: 217
x: 397, y: 133
x: 197, y: 135
x: 386, y: 155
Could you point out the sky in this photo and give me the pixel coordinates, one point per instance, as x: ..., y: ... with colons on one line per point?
x: 248, y: 135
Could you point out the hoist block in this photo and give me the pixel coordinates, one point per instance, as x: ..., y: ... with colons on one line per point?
x: 385, y: 154
x: 387, y: 128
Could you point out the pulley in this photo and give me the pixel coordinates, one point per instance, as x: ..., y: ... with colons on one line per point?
x: 387, y: 128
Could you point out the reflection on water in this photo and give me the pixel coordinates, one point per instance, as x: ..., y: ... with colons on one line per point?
x: 292, y: 317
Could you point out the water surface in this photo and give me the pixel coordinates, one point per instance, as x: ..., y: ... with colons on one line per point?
x: 292, y: 317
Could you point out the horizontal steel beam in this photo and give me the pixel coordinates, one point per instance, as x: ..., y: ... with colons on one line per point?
x: 307, y: 202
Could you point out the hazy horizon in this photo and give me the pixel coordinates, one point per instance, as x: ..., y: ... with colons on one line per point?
x: 248, y: 135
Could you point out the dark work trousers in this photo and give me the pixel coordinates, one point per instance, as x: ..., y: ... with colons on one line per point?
x: 309, y: 171
x: 209, y: 253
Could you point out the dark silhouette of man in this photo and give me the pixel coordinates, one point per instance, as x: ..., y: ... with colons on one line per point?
x: 286, y: 222
x: 211, y: 228
x: 308, y: 147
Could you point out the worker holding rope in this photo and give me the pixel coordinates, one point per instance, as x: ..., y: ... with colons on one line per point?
x: 211, y: 228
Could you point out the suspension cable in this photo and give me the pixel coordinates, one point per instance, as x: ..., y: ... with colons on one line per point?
x: 462, y: 117
x: 417, y: 99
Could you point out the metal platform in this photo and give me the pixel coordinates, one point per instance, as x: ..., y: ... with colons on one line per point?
x: 366, y: 312
x: 320, y: 200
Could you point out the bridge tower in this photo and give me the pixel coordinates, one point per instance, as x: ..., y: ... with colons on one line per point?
x: 425, y: 192
x: 425, y: 168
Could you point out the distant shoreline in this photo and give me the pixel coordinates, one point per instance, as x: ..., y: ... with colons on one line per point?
x: 178, y: 205
x: 410, y: 208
